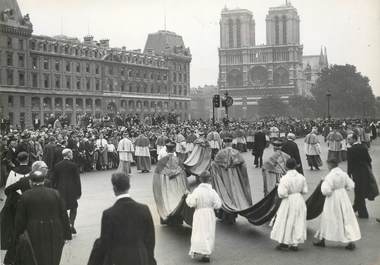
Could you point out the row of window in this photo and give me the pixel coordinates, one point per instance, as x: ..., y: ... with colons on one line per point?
x: 89, y: 68
x: 88, y: 83
x: 92, y: 52
x: 58, y: 103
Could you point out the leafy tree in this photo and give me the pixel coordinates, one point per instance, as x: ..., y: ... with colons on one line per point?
x: 351, y: 94
x: 272, y: 106
x: 302, y: 107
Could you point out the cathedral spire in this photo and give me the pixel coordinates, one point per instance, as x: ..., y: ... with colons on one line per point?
x: 326, y: 61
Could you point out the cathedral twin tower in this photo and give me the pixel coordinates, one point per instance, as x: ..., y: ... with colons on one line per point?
x: 249, y: 71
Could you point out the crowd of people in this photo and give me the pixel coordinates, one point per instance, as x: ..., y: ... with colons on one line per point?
x: 48, y: 160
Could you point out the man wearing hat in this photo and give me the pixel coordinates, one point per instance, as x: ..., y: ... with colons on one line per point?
x: 126, y: 150
x: 275, y: 167
x: 313, y: 149
x: 41, y: 224
x: 49, y: 154
x: 66, y: 179
x: 291, y: 148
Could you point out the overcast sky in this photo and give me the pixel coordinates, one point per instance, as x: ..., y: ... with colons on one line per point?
x: 350, y: 29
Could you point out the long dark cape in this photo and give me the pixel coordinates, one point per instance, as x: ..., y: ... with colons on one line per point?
x: 261, y: 212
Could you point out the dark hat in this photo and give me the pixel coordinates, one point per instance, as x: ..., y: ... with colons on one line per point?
x: 37, y: 176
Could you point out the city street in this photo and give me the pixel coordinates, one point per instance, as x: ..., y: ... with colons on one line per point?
x: 241, y: 243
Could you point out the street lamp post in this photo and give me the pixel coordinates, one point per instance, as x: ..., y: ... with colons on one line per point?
x: 328, y: 95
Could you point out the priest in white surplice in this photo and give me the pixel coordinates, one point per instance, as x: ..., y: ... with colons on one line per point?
x: 125, y: 149
x: 338, y: 221
x: 204, y: 199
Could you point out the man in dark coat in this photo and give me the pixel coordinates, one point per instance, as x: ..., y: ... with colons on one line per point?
x: 291, y: 148
x: 66, y: 179
x: 359, y: 167
x: 258, y: 147
x: 41, y: 225
x: 49, y: 155
x: 127, y: 230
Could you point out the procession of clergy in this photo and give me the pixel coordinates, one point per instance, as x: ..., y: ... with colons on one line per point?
x: 224, y: 186
x: 221, y: 188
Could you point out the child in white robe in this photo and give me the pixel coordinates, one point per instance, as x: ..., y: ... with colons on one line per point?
x: 289, y: 228
x: 204, y: 199
x: 338, y: 221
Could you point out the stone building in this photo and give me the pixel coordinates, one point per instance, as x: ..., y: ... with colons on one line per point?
x: 249, y: 71
x: 41, y: 75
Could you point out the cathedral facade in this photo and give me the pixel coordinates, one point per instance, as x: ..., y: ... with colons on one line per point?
x: 41, y: 75
x: 249, y: 72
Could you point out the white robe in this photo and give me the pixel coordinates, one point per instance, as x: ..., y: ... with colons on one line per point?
x: 290, y: 222
x: 125, y: 149
x: 204, y: 199
x: 338, y: 221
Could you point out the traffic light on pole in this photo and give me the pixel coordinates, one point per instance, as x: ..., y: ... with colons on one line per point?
x: 216, y: 101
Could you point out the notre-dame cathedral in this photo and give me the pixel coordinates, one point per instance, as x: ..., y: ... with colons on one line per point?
x: 249, y: 71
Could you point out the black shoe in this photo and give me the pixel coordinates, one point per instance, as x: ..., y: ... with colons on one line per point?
x: 282, y: 247
x: 256, y: 166
x: 293, y: 248
x: 319, y: 244
x: 317, y: 168
x: 378, y: 220
x: 350, y: 246
x: 363, y: 216
x: 73, y: 230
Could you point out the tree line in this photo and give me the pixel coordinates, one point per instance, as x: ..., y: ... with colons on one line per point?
x: 349, y: 92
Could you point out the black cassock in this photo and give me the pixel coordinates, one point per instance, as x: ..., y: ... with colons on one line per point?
x: 41, y: 226
x: 291, y: 149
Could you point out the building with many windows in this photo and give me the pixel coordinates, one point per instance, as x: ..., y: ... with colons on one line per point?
x: 249, y: 71
x: 41, y: 75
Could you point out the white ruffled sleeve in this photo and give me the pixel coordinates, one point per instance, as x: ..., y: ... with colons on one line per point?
x: 191, y: 200
x: 326, y: 188
x: 282, y: 189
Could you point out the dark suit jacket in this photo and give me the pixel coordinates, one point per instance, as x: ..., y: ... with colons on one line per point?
x: 127, y: 235
x: 291, y: 149
x: 260, y: 140
x: 66, y: 179
x: 41, y: 213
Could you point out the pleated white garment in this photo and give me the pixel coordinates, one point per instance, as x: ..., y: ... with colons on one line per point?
x: 338, y: 221
x: 290, y: 221
x: 204, y: 199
